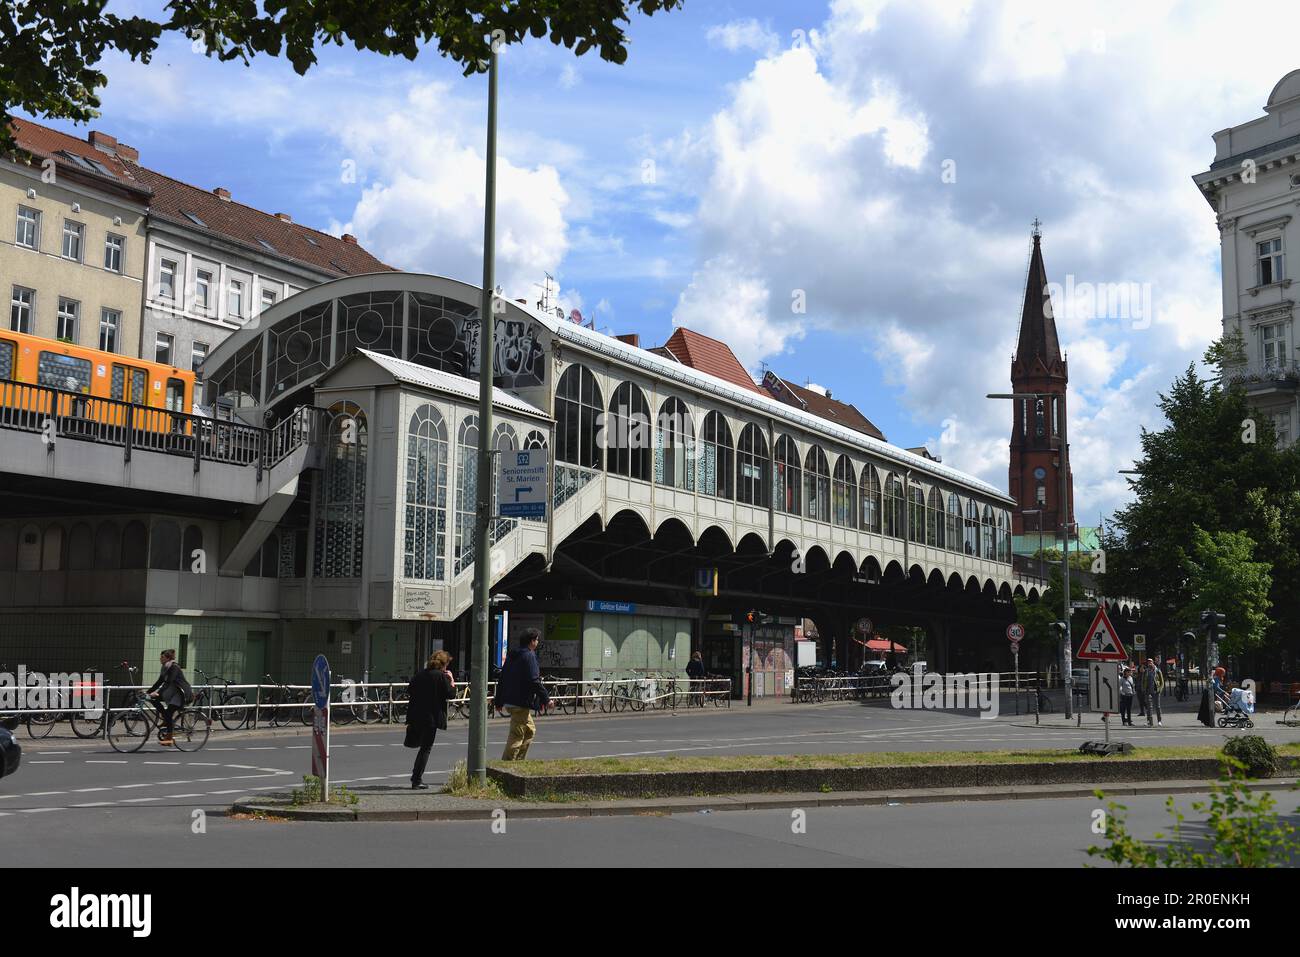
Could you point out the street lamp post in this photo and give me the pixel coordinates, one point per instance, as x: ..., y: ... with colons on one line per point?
x: 1063, y: 467
x: 476, y: 759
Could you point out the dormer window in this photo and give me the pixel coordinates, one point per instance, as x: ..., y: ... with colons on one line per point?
x: 1271, y: 267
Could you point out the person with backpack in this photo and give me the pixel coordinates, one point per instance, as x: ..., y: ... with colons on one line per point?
x: 170, y: 693
x: 519, y: 687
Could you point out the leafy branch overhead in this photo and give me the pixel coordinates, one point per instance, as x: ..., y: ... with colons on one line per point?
x: 50, y: 49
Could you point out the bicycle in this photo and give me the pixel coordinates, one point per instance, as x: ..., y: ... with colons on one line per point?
x: 130, y: 727
x: 39, y: 723
x: 232, y: 708
x: 284, y: 704
x: 1291, y: 716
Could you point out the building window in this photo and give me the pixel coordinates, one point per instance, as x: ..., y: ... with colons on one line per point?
x: 953, y: 528
x: 988, y: 534
x: 466, y: 492
x: 425, y: 528
x: 869, y: 486
x: 29, y: 228
x: 716, y: 452
x: 971, y: 542
x: 110, y: 323
x: 72, y: 235
x: 1282, y: 426
x: 1271, y: 266
x: 235, y: 300
x: 202, y: 291
x: 934, y: 528
x: 114, y: 248
x: 21, y: 309
x: 167, y: 279
x: 626, y: 433
x: 69, y: 311
x: 198, y: 353
x: 895, y: 517
x: 1273, y: 344
x: 578, y: 408
x: 162, y: 349
x: 916, y: 515
x: 340, y: 516
x: 844, y: 494
x: 785, y: 475
x: 817, y: 485
x: 752, y: 466
x: 268, y: 298
x: 675, y: 445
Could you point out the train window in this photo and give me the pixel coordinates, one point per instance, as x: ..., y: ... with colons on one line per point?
x: 7, y: 350
x: 175, y: 395
x: 132, y: 391
x: 58, y: 371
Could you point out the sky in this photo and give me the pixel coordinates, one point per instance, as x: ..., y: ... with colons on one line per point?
x: 842, y: 191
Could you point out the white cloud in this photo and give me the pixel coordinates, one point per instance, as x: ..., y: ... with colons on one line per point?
x: 746, y: 34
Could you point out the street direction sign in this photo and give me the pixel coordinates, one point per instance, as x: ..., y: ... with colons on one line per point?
x: 1103, y: 686
x: 1102, y: 643
x: 1082, y: 605
x: 320, y: 737
x: 521, y: 489
x: 1015, y: 632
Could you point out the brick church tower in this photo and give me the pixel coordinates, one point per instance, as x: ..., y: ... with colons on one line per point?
x: 1034, y: 479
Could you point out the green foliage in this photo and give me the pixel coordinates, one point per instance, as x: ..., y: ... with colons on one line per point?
x: 1205, y: 497
x: 309, y: 793
x: 461, y: 784
x: 1223, y: 577
x: 1257, y: 757
x: 1242, y: 829
x: 1227, y: 351
x: 49, y: 49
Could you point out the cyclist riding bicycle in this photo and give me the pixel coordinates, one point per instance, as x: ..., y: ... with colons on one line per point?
x: 169, y: 694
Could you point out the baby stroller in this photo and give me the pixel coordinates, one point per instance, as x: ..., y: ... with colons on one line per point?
x: 1237, y: 706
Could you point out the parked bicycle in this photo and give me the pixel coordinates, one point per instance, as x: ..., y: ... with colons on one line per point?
x: 39, y: 724
x: 231, y: 706
x: 282, y: 705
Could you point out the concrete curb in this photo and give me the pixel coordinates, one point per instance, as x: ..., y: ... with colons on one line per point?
x: 733, y: 802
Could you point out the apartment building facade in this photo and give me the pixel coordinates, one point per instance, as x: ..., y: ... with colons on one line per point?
x: 103, y: 251
x: 72, y: 241
x: 1253, y: 186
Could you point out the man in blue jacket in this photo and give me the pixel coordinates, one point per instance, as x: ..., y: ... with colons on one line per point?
x: 518, y: 686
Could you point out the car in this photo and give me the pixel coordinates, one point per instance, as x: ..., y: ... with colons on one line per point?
x: 11, y: 751
x: 1080, y: 678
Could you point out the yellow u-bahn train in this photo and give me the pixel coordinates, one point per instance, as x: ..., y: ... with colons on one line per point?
x: 76, y: 371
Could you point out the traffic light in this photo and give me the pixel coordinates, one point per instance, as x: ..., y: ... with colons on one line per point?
x: 1219, y: 627
x: 756, y: 617
x: 1058, y: 629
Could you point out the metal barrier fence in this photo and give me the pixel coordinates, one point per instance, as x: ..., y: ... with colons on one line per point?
x: 75, y: 415
x: 240, y: 706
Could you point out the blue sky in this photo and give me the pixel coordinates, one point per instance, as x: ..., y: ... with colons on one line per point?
x: 880, y: 162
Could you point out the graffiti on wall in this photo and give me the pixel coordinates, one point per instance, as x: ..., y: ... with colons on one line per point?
x: 517, y: 352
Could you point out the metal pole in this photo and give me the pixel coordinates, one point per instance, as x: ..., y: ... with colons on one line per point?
x: 476, y: 761
x: 1064, y: 506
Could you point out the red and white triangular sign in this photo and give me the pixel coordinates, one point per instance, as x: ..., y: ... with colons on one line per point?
x: 1101, y: 642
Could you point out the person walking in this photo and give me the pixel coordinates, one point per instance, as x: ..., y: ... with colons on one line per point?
x: 426, y: 711
x: 1126, y: 690
x: 1150, y: 686
x: 170, y: 693
x: 518, y: 687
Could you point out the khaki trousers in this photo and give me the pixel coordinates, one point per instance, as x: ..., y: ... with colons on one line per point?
x: 521, y: 735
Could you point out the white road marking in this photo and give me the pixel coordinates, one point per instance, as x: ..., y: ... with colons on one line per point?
x: 123, y: 761
x: 139, y: 800
x: 44, y: 762
x: 177, y: 796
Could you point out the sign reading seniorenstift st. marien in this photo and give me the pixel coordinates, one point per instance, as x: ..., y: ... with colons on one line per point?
x: 521, y: 490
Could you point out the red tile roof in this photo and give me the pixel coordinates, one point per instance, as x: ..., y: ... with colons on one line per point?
x: 41, y: 141
x: 708, y: 355
x: 822, y: 406
x: 171, y: 199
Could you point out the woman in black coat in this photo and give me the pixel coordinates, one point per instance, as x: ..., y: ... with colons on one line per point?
x: 426, y: 711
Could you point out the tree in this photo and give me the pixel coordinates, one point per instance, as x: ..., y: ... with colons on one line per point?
x: 1224, y: 578
x: 1214, y: 469
x: 49, y: 49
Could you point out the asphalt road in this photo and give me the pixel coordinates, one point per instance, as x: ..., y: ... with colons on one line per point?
x: 81, y: 800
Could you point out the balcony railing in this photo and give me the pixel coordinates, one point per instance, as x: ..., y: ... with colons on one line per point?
x: 1284, y: 372
x: 61, y: 414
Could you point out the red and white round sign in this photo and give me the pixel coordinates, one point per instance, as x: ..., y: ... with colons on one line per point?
x: 1015, y: 632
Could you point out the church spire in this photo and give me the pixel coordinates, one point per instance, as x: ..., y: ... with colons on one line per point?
x: 1037, y: 339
